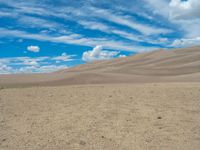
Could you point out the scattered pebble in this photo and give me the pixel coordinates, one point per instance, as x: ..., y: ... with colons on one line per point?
x: 4, y: 140
x: 159, y: 117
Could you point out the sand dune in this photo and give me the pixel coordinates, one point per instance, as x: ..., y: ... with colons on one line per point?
x: 178, y: 65
x: 181, y: 65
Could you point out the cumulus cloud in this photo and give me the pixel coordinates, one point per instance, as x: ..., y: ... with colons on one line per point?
x: 34, y: 49
x: 97, y: 53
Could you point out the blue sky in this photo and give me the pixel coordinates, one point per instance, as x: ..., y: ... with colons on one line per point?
x: 45, y: 35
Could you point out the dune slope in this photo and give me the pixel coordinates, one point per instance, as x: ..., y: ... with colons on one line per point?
x: 178, y: 65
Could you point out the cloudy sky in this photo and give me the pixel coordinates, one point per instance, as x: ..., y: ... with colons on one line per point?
x: 46, y: 35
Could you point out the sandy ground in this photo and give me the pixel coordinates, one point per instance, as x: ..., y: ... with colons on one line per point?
x: 158, y: 116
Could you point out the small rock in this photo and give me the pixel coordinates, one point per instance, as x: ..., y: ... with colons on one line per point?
x: 159, y: 117
x: 4, y: 140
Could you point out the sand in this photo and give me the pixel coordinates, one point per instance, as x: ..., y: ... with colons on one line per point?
x: 149, y: 101
x: 158, y: 116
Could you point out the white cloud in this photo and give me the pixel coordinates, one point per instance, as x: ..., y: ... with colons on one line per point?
x: 186, y: 42
x: 31, y: 62
x: 41, y: 69
x: 69, y: 13
x: 34, y: 65
x: 122, y: 56
x: 34, y: 22
x: 108, y: 29
x: 122, y: 20
x: 41, y: 18
x: 35, y: 61
x: 189, y: 9
x: 77, y: 40
x: 158, y: 7
x: 98, y: 54
x: 184, y: 14
x: 4, y: 69
x: 63, y: 57
x: 34, y: 49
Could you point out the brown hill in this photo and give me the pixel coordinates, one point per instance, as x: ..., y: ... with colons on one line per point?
x: 178, y: 65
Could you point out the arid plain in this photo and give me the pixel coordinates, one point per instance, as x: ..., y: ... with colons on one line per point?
x: 149, y: 101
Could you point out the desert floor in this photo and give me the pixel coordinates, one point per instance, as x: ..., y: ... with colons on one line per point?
x: 160, y: 116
